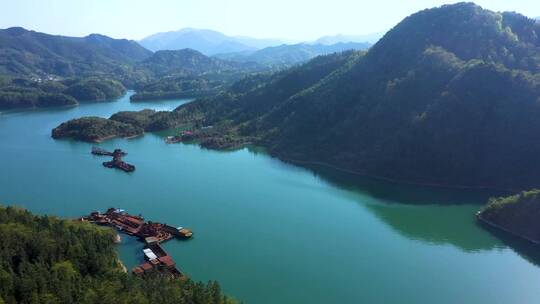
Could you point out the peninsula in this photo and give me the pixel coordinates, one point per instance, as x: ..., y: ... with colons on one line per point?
x: 517, y: 214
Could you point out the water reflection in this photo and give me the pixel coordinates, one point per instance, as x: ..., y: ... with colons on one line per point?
x: 403, y: 193
x: 527, y: 250
x: 428, y: 214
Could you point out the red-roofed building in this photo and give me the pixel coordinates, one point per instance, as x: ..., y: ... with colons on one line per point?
x: 167, y: 261
x: 146, y: 267
x: 137, y: 270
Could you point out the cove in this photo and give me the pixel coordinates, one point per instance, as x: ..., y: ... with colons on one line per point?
x: 268, y: 231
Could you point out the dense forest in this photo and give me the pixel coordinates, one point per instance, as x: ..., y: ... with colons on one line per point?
x: 188, y: 73
x: 95, y: 129
x: 447, y: 97
x: 27, y: 93
x: 33, y: 54
x: 44, y: 259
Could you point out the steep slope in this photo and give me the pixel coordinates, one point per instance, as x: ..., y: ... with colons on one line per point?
x: 516, y: 214
x: 450, y: 96
x: 207, y: 42
x: 29, y: 53
x: 288, y: 55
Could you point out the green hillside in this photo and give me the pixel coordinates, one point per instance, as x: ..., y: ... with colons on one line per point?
x: 29, y: 53
x: 449, y: 96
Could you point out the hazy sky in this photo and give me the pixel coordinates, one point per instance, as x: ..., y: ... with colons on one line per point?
x: 292, y: 19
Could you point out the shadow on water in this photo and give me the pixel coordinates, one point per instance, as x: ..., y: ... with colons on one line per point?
x: 402, y: 193
x: 433, y: 215
x: 527, y: 250
x: 428, y: 214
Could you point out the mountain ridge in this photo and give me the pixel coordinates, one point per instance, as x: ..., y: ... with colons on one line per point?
x: 431, y: 102
x: 26, y: 52
x: 287, y: 55
x: 208, y: 42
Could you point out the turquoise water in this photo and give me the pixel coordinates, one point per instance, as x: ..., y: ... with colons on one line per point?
x: 268, y: 231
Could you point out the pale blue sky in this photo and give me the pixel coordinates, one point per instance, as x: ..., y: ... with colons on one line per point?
x: 291, y: 19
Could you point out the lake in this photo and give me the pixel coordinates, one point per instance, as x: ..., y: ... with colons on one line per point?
x: 268, y: 231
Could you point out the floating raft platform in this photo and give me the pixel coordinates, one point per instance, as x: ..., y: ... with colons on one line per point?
x: 151, y: 233
x: 117, y: 161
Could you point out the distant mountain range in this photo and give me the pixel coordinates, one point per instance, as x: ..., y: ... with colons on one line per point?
x: 30, y: 53
x: 211, y: 42
x: 287, y: 55
x: 328, y: 40
x: 33, y: 54
x: 205, y: 41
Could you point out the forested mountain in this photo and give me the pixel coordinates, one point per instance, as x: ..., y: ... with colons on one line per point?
x: 450, y: 96
x: 287, y: 55
x: 37, y: 69
x: 187, y: 62
x: 44, y: 259
x: 187, y: 73
x: 29, y: 53
x: 25, y: 93
x: 207, y: 42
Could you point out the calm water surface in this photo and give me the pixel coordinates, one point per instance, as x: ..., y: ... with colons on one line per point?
x: 271, y: 232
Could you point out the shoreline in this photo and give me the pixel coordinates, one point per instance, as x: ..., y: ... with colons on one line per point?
x: 482, y: 220
x: 388, y: 179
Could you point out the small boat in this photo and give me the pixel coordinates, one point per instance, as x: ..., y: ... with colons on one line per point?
x: 173, y: 139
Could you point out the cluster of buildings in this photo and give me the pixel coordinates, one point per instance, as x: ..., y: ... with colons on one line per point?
x: 157, y: 260
x: 152, y: 233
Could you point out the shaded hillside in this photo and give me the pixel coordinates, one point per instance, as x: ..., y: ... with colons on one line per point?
x: 517, y: 214
x: 288, y: 55
x: 44, y: 259
x: 24, y: 93
x: 449, y: 97
x: 29, y: 53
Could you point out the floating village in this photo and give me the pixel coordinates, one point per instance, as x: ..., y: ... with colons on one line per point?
x: 151, y: 233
